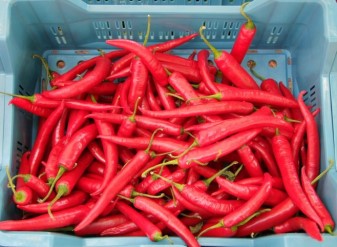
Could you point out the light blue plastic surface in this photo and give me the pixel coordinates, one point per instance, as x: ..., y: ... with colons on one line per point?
x: 300, y: 35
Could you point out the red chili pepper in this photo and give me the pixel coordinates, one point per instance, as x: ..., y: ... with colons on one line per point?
x: 143, y: 185
x: 65, y: 185
x: 159, y: 145
x: 22, y: 194
x: 74, y: 199
x: 102, y: 224
x: 28, y: 106
x: 142, y: 121
x: 121, y: 229
x: 138, y: 83
x: 123, y: 73
x: 72, y: 150
x: 230, y: 67
x: 244, y: 38
x: 150, y: 229
x: 299, y: 223
x: 43, y: 136
x: 63, y: 218
x: 162, y: 47
x: 121, y: 179
x: 154, y: 103
x: 313, y: 153
x: 267, y: 220
x: 123, y: 98
x: 232, y: 126
x: 208, y: 230
x: 316, y: 202
x: 129, y: 124
x: 93, y: 78
x: 245, y: 192
x: 183, y: 87
x: 212, y: 108
x: 76, y: 121
x: 149, y: 60
x: 250, y: 207
x: 171, y: 221
x: 283, y: 155
x: 276, y: 181
x: 253, y: 96
x: 105, y: 88
x: 205, y: 73
x: 96, y: 150
x: 267, y: 158
x: 88, y: 185
x: 297, y: 139
x: 166, y: 101
x: 295, y: 112
x: 249, y: 161
x: 217, y: 150
x: 192, y: 74
x: 172, y: 58
x: 110, y: 153
x: 37, y: 185
x: 60, y: 128
x: 160, y: 185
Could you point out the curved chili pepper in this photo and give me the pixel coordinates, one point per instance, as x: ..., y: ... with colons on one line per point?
x: 295, y: 112
x: 121, y: 229
x: 149, y: 60
x: 267, y: 158
x: 142, y: 121
x: 244, y: 37
x: 171, y: 221
x: 104, y: 88
x: 37, y: 185
x: 121, y: 179
x: 138, y: 83
x: 283, y: 155
x: 232, y: 126
x: 230, y: 67
x: 72, y: 150
x: 28, y: 106
x: 217, y: 150
x: 267, y: 220
x: 83, y: 66
x: 313, y: 153
x: 88, y: 185
x: 192, y: 74
x: 317, y: 203
x: 299, y: 223
x: 110, y: 154
x: 159, y: 145
x: 154, y: 103
x: 74, y: 199
x: 204, y: 71
x: 249, y: 161
x: 102, y: 224
x: 65, y: 184
x: 60, y: 128
x: 96, y: 150
x: 143, y: 223
x: 62, y: 218
x: 93, y: 78
x: 42, y: 139
x: 249, y: 207
x: 212, y: 108
x: 254, y: 96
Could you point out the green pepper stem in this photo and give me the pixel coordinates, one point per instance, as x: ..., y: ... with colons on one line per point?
x: 215, y: 226
x: 10, y: 181
x: 60, y: 172
x: 147, y: 150
x: 180, y: 187
x: 45, y: 65
x: 216, y: 53
x: 209, y: 180
x: 250, y: 24
x: 147, y: 35
x: 61, y: 191
x: 31, y: 98
x: 315, y: 180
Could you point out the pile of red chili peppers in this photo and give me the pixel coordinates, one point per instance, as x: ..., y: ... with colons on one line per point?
x: 149, y: 143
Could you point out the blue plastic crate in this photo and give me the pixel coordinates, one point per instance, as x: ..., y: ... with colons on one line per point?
x: 300, y: 35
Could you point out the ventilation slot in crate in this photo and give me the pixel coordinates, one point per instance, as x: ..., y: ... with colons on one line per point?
x: 58, y: 34
x: 310, y: 98
x: 20, y: 149
x: 274, y: 35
